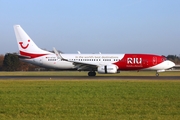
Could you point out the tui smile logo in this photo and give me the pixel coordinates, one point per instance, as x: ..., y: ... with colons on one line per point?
x: 22, y: 46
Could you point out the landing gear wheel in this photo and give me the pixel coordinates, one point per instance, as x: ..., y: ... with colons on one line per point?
x: 157, y: 74
x: 91, y: 73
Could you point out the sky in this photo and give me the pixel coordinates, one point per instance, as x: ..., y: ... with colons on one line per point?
x: 93, y: 26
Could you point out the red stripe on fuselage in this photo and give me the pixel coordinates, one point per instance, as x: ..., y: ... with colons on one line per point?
x: 138, y: 61
x: 31, y: 55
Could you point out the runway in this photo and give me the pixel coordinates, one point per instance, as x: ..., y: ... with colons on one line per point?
x: 89, y: 78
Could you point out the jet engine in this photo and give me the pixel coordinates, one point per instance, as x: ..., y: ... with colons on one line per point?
x: 107, y: 69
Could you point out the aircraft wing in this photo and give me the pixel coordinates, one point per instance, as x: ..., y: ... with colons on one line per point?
x: 84, y: 66
x: 79, y: 65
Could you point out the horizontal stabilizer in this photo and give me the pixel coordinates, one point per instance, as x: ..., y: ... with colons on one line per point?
x: 23, y: 57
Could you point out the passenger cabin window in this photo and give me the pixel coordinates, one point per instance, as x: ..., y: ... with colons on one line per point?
x: 51, y: 59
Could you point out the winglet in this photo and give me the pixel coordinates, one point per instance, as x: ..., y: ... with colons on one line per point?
x: 79, y: 52
x: 59, y: 56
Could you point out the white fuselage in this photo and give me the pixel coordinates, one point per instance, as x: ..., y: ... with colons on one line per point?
x: 102, y: 63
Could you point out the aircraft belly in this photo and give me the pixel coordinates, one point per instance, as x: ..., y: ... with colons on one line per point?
x: 59, y: 64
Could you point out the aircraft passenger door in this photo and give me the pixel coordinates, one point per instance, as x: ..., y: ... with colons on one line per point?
x: 154, y: 60
x: 145, y: 62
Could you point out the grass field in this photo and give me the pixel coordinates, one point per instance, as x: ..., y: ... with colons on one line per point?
x: 76, y: 73
x: 89, y: 99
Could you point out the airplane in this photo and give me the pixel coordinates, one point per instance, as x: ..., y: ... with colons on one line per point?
x: 100, y: 63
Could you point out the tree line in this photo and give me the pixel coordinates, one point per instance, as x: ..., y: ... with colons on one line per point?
x: 11, y: 62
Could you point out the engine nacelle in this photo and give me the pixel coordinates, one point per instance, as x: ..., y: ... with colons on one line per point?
x: 107, y: 69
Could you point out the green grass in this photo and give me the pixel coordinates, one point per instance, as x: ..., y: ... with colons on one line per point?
x: 76, y: 73
x: 90, y: 99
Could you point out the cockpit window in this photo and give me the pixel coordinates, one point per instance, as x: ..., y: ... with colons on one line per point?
x: 164, y: 59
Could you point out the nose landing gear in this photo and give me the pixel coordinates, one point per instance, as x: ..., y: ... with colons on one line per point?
x: 157, y: 74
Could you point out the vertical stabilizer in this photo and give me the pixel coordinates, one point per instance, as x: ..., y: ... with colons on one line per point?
x: 25, y: 43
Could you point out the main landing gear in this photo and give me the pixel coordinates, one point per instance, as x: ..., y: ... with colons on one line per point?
x: 92, y: 73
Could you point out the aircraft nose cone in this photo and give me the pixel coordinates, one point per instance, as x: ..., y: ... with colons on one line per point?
x: 171, y: 64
